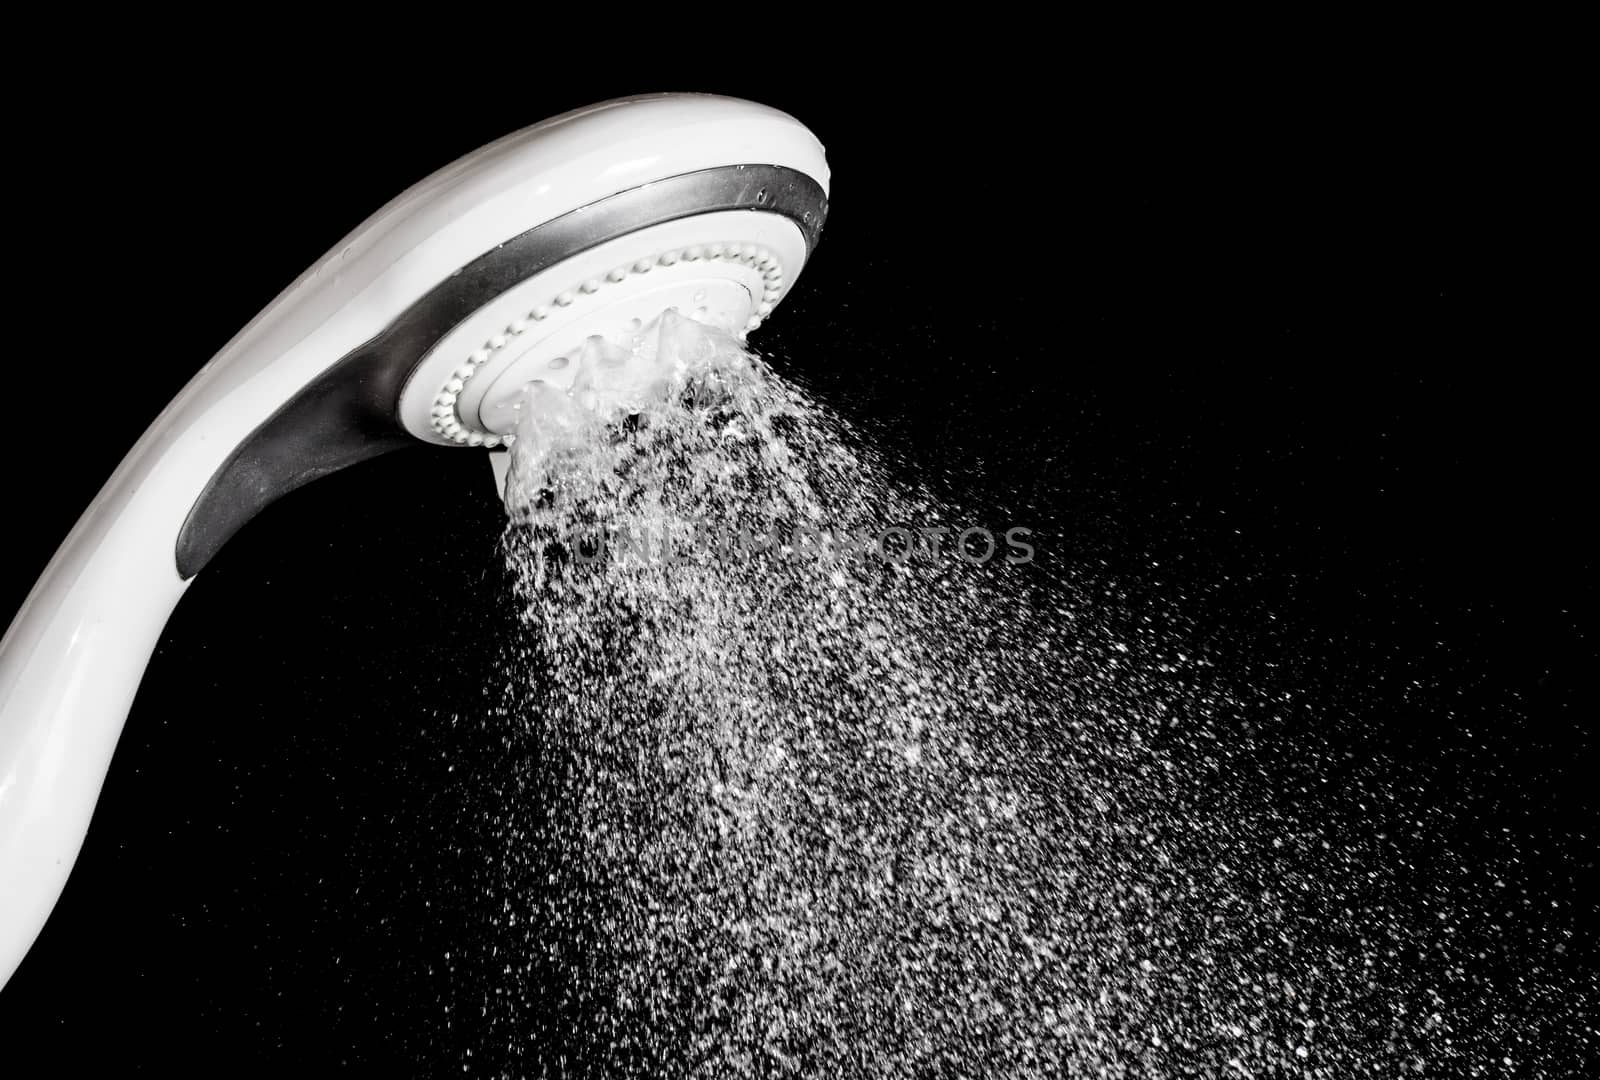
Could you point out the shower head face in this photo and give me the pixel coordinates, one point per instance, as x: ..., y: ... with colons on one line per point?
x: 727, y: 269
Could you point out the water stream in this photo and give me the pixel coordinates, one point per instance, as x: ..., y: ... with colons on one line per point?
x: 816, y: 776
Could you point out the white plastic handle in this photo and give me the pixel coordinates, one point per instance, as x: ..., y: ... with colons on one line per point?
x: 69, y: 666
x: 74, y: 655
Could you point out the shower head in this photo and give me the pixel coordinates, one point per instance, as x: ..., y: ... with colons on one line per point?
x: 424, y: 324
x: 495, y: 271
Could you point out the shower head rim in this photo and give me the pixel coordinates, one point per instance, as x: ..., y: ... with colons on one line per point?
x: 730, y: 268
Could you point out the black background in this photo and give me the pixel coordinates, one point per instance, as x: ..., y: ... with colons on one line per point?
x: 1297, y: 343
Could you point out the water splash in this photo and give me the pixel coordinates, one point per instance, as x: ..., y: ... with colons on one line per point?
x: 818, y: 813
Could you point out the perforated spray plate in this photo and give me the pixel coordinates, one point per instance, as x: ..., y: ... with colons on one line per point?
x: 728, y: 269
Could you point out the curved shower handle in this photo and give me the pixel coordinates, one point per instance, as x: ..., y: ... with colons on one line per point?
x: 75, y: 653
x: 70, y: 665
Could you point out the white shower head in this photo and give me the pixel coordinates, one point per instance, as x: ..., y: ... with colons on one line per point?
x: 423, y: 324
